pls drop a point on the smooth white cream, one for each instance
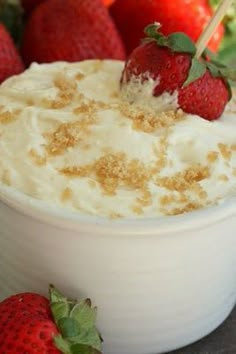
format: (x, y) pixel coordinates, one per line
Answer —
(70, 137)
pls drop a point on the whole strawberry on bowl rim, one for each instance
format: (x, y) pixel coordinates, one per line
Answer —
(170, 61)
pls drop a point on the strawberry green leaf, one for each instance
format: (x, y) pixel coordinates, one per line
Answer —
(60, 310)
(83, 349)
(55, 295)
(90, 337)
(197, 70)
(215, 71)
(62, 344)
(152, 30)
(76, 323)
(84, 314)
(180, 43)
(69, 327)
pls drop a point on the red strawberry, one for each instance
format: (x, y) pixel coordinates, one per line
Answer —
(10, 61)
(171, 62)
(30, 323)
(188, 16)
(30, 5)
(24, 304)
(72, 31)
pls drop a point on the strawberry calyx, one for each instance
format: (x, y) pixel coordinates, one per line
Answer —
(181, 43)
(75, 321)
(178, 42)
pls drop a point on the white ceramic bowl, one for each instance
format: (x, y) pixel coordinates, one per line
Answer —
(159, 284)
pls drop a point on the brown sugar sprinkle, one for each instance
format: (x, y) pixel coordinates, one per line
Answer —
(223, 178)
(83, 108)
(160, 152)
(150, 121)
(185, 180)
(212, 156)
(66, 194)
(173, 198)
(145, 199)
(114, 170)
(137, 209)
(76, 171)
(191, 206)
(225, 151)
(66, 91)
(70, 134)
(7, 117)
(79, 76)
(90, 107)
(38, 160)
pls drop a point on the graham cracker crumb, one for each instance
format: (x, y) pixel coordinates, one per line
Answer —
(66, 194)
(225, 151)
(233, 147)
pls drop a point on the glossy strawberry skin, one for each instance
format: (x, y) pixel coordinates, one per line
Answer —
(206, 97)
(23, 305)
(30, 5)
(71, 31)
(189, 16)
(10, 61)
(159, 63)
(29, 334)
(26, 325)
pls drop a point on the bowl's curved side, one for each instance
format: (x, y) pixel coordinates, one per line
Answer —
(154, 292)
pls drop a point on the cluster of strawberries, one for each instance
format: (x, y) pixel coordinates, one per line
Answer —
(76, 30)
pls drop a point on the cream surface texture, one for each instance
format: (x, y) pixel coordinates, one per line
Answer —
(71, 137)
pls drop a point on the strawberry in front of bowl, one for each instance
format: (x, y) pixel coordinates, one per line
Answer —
(30, 323)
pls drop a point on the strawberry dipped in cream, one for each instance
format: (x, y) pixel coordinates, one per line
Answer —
(151, 137)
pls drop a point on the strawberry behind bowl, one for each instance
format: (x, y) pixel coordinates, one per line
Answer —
(71, 31)
(10, 61)
(188, 16)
